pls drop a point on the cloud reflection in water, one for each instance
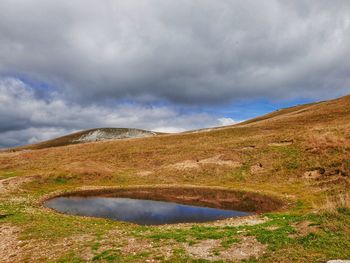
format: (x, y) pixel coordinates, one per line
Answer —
(144, 212)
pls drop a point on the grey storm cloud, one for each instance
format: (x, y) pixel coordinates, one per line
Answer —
(26, 118)
(185, 52)
(67, 65)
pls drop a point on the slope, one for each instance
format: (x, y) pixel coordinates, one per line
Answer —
(299, 155)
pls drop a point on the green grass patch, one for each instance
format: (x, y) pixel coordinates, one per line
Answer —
(8, 174)
(194, 233)
(61, 179)
(239, 173)
(110, 255)
(115, 255)
(289, 156)
(70, 257)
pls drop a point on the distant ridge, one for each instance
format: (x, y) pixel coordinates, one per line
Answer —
(299, 115)
(91, 135)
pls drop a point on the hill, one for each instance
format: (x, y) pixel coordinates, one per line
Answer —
(299, 155)
(92, 135)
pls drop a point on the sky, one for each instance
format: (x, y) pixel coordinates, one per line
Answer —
(164, 65)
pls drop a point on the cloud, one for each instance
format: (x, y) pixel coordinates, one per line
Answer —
(154, 64)
(226, 121)
(185, 52)
(28, 118)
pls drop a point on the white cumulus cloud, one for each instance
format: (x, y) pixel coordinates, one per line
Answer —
(26, 117)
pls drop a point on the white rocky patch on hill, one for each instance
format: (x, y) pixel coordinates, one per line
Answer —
(102, 135)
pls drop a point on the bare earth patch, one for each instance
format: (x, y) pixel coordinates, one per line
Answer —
(247, 148)
(338, 261)
(144, 173)
(13, 183)
(203, 250)
(240, 221)
(256, 168)
(135, 246)
(312, 174)
(127, 245)
(12, 249)
(283, 143)
(248, 247)
(218, 160)
(188, 164)
(304, 228)
(9, 244)
(215, 160)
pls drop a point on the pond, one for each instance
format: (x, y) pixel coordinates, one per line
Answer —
(139, 211)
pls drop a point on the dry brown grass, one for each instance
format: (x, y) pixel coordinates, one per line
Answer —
(317, 136)
(333, 203)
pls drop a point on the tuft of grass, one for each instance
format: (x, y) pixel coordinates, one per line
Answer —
(338, 203)
(110, 255)
(299, 206)
(70, 257)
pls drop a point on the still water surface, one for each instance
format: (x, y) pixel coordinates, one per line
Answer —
(143, 212)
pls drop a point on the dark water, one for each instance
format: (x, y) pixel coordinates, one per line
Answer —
(143, 212)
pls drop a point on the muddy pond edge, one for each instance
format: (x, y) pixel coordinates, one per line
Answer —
(280, 203)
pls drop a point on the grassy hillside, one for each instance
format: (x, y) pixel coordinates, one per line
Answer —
(299, 155)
